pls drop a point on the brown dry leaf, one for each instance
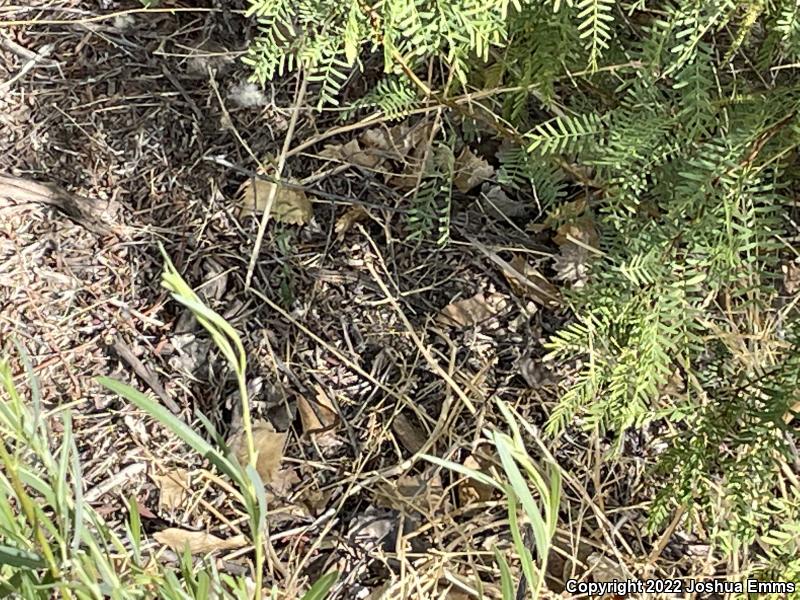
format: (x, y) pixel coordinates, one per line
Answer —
(471, 490)
(471, 311)
(268, 445)
(470, 171)
(408, 432)
(198, 542)
(575, 239)
(283, 482)
(353, 153)
(316, 415)
(410, 143)
(355, 214)
(290, 206)
(525, 280)
(172, 486)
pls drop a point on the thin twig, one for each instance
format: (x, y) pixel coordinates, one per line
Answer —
(93, 18)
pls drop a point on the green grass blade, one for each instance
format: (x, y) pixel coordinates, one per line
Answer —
(523, 492)
(466, 471)
(320, 589)
(174, 424)
(21, 559)
(506, 581)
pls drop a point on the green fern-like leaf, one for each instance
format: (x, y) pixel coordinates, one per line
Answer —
(595, 21)
(564, 135)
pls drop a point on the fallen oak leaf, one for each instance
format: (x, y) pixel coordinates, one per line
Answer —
(198, 542)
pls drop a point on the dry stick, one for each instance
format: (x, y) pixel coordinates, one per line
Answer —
(273, 190)
(662, 542)
(93, 18)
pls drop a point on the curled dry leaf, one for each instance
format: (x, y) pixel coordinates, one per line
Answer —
(290, 206)
(470, 171)
(471, 311)
(198, 542)
(526, 281)
(172, 486)
(268, 445)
